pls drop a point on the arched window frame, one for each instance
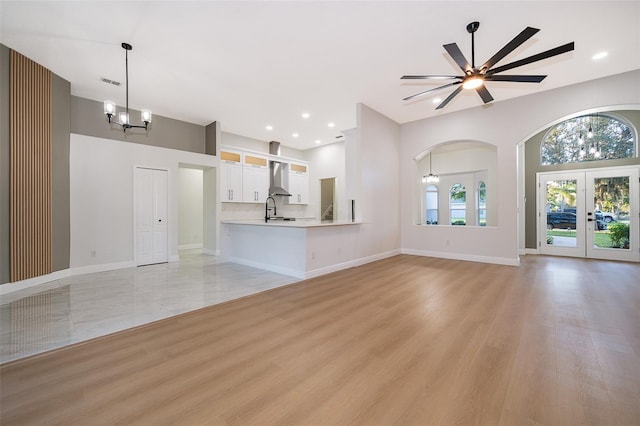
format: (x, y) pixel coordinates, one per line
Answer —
(577, 147)
(458, 205)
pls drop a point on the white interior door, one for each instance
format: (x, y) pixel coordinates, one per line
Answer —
(590, 213)
(151, 194)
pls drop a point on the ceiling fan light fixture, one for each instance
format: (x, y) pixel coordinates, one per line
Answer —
(473, 82)
(474, 76)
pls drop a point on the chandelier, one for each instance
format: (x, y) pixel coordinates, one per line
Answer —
(430, 178)
(589, 149)
(123, 116)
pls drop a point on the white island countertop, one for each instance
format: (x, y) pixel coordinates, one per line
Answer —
(298, 223)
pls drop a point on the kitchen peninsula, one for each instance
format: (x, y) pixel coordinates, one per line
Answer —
(299, 248)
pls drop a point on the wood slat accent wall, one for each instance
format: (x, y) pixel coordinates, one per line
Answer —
(30, 190)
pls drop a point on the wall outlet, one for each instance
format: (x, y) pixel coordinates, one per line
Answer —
(92, 253)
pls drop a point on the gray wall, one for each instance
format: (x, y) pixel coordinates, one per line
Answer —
(212, 132)
(533, 166)
(61, 123)
(87, 118)
(5, 176)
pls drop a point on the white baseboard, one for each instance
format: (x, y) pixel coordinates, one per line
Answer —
(268, 267)
(43, 279)
(190, 246)
(7, 288)
(467, 257)
(351, 263)
(211, 252)
(316, 272)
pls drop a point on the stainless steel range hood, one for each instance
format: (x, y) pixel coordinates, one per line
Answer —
(276, 186)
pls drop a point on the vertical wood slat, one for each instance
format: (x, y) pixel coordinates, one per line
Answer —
(31, 252)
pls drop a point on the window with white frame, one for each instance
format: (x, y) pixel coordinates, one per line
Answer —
(481, 204)
(431, 205)
(458, 204)
(588, 138)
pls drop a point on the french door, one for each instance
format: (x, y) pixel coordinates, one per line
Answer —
(591, 213)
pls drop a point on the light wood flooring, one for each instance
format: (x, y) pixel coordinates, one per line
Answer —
(407, 340)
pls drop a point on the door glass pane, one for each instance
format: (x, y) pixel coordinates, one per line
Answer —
(561, 213)
(611, 212)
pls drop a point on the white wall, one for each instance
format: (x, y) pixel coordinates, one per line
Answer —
(190, 204)
(504, 124)
(101, 192)
(378, 187)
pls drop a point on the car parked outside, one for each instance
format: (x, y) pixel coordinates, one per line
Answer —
(561, 220)
(606, 216)
(566, 220)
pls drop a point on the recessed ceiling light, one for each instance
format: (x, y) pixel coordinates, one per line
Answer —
(318, 141)
(269, 127)
(436, 100)
(295, 135)
(331, 124)
(599, 55)
(305, 115)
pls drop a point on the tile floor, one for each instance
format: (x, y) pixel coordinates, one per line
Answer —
(83, 307)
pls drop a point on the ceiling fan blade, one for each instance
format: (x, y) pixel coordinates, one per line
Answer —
(540, 56)
(525, 35)
(430, 77)
(432, 90)
(451, 96)
(484, 94)
(516, 78)
(454, 51)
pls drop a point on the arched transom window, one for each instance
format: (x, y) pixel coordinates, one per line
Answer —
(588, 138)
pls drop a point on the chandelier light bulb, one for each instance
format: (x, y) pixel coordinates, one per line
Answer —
(590, 133)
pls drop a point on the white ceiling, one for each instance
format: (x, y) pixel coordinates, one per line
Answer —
(252, 64)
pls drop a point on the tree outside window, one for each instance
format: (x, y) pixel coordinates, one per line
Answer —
(481, 201)
(458, 204)
(587, 138)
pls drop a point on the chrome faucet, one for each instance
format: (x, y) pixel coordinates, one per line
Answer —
(266, 209)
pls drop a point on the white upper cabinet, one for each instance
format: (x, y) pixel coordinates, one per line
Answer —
(298, 183)
(255, 178)
(230, 176)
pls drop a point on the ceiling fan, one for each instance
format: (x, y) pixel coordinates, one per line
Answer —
(474, 78)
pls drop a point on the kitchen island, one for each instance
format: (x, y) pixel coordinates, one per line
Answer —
(299, 248)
